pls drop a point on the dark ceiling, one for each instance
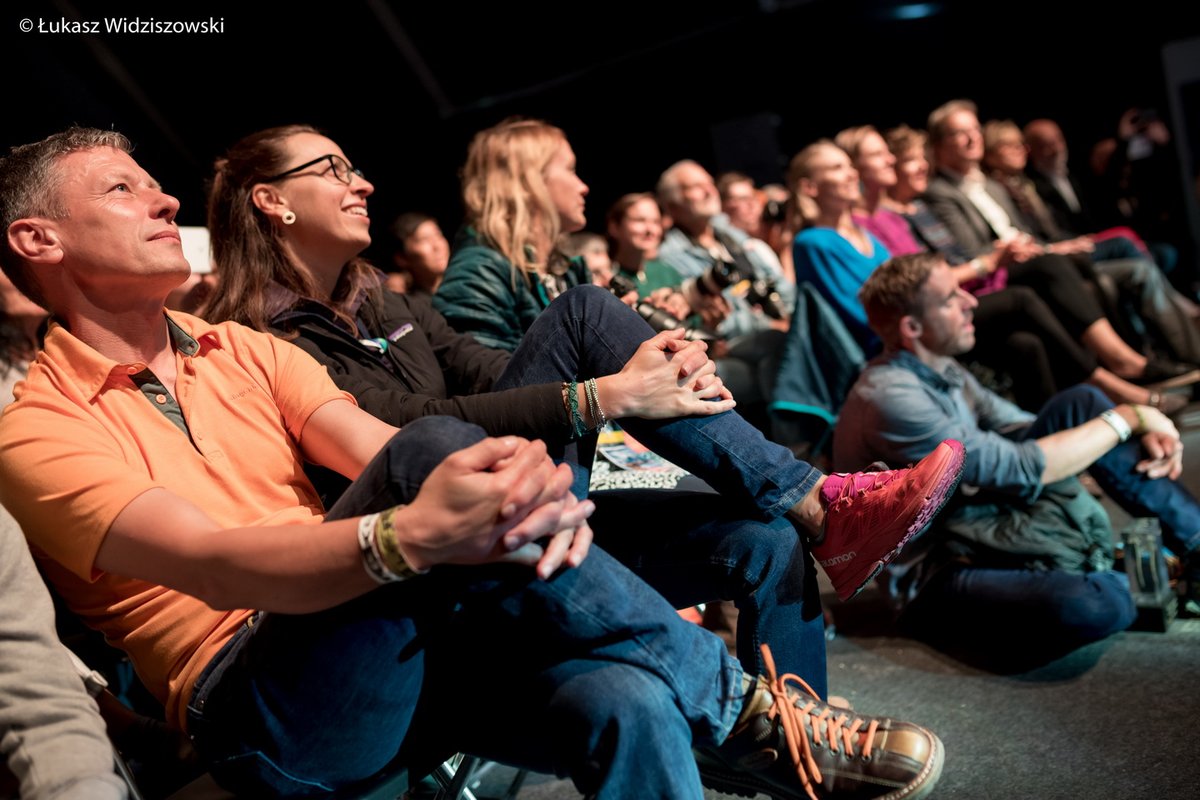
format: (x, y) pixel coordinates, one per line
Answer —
(636, 85)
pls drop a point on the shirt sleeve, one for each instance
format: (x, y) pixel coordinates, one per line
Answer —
(535, 412)
(65, 479)
(910, 422)
(50, 734)
(299, 384)
(477, 297)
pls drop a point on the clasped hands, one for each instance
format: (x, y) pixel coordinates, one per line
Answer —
(666, 377)
(499, 500)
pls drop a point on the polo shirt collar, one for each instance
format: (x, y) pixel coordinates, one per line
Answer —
(91, 371)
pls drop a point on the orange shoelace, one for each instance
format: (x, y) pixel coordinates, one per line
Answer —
(795, 719)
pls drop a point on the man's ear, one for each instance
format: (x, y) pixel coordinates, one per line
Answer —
(268, 200)
(807, 187)
(36, 240)
(911, 327)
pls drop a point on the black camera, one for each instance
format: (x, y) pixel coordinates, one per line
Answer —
(621, 285)
(714, 280)
(762, 293)
(723, 274)
(774, 211)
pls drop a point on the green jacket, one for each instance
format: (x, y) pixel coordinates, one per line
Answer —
(483, 295)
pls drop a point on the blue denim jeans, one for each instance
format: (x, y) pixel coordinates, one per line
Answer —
(587, 333)
(590, 674)
(1041, 612)
(690, 546)
(1054, 609)
(1168, 500)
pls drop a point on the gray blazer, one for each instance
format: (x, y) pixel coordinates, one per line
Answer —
(966, 224)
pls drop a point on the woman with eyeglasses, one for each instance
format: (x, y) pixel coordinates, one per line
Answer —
(287, 214)
(288, 220)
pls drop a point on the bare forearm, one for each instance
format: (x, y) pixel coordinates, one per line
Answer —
(1071, 451)
(295, 569)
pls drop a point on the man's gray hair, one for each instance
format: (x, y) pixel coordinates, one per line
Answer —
(29, 187)
(667, 187)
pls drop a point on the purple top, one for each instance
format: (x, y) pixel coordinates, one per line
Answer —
(892, 230)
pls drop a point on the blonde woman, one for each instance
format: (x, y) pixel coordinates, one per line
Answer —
(521, 192)
(833, 252)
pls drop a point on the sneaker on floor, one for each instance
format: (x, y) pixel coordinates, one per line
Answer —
(870, 516)
(799, 748)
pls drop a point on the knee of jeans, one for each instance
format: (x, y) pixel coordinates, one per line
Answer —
(1101, 608)
(588, 294)
(1090, 400)
(437, 434)
(769, 554)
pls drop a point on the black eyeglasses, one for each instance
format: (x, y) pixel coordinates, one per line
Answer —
(338, 166)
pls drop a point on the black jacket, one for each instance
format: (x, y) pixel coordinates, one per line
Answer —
(426, 369)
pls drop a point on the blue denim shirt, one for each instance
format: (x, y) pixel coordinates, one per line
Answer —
(900, 409)
(691, 259)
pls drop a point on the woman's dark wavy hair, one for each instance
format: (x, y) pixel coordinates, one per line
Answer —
(247, 246)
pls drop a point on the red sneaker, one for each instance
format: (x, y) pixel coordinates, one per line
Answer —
(870, 516)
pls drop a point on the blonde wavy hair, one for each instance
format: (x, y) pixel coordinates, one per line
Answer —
(504, 189)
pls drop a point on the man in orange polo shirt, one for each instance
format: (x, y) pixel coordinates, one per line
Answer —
(156, 463)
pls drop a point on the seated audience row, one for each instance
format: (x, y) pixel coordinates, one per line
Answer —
(258, 616)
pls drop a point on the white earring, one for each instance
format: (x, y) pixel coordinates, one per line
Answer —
(288, 217)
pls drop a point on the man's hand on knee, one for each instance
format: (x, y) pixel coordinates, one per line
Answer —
(1164, 456)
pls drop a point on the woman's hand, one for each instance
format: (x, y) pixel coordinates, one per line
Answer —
(667, 377)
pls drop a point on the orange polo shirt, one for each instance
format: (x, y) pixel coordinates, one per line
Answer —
(82, 441)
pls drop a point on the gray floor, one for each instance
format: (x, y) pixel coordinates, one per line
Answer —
(1114, 719)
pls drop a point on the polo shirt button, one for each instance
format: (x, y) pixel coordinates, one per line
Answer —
(161, 399)
(132, 370)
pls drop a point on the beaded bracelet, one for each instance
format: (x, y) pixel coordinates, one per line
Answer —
(380, 548)
(593, 401)
(1137, 412)
(578, 427)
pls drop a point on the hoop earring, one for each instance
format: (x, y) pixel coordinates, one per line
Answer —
(288, 217)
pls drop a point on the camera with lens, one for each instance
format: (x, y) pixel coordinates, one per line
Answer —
(723, 274)
(655, 317)
(762, 293)
(710, 283)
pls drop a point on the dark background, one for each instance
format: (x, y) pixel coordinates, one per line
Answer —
(402, 86)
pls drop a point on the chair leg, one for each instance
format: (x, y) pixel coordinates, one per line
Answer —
(453, 777)
(126, 775)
